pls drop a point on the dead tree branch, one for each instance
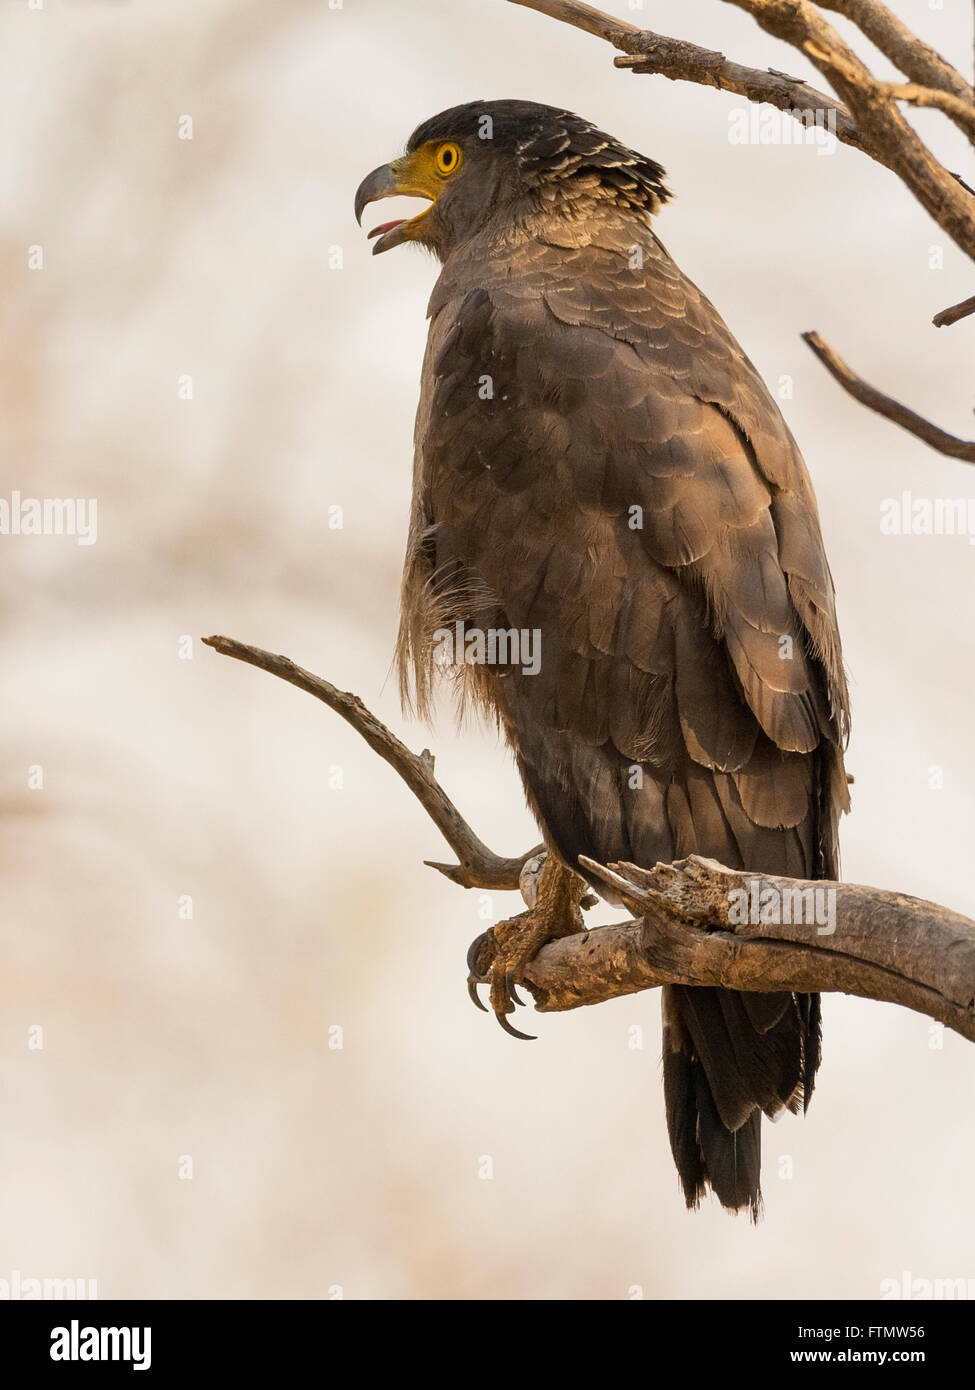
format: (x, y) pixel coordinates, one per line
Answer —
(478, 867)
(875, 400)
(954, 313)
(916, 60)
(872, 943)
(886, 946)
(961, 112)
(647, 52)
(863, 113)
(888, 138)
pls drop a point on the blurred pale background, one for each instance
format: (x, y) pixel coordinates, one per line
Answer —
(316, 1167)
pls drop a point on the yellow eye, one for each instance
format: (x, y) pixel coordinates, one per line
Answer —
(448, 159)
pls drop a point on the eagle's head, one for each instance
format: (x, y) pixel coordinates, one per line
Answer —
(498, 164)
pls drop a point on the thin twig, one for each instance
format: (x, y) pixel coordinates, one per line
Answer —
(954, 313)
(647, 52)
(478, 866)
(961, 112)
(887, 137)
(618, 32)
(867, 116)
(916, 60)
(886, 405)
(685, 62)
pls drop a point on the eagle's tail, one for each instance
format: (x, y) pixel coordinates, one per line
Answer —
(727, 1058)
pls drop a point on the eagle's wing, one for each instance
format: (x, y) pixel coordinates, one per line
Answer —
(618, 479)
(598, 462)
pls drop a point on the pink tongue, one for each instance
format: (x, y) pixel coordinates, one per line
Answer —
(385, 227)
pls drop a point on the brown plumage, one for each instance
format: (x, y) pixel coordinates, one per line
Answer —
(597, 460)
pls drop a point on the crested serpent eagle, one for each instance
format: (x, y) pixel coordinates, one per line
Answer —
(600, 466)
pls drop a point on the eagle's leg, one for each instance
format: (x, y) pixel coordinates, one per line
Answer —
(502, 952)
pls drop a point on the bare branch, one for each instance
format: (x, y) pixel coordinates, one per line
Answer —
(886, 946)
(618, 32)
(916, 60)
(954, 313)
(866, 116)
(685, 62)
(886, 405)
(679, 61)
(886, 134)
(479, 867)
(961, 112)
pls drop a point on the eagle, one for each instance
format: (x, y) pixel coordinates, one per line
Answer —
(601, 472)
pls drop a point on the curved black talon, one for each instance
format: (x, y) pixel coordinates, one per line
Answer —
(473, 951)
(473, 978)
(472, 983)
(525, 1037)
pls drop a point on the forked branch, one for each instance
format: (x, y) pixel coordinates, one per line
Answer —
(478, 866)
(862, 111)
(697, 923)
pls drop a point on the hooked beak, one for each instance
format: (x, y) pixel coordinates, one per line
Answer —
(401, 178)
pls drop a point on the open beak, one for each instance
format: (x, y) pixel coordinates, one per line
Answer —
(401, 178)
